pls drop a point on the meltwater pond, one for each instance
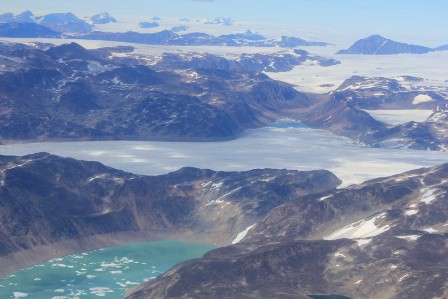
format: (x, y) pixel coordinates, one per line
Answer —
(100, 273)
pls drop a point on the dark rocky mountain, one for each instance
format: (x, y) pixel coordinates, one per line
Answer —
(21, 30)
(69, 93)
(385, 238)
(384, 93)
(378, 93)
(103, 18)
(331, 112)
(378, 45)
(51, 206)
(148, 24)
(431, 134)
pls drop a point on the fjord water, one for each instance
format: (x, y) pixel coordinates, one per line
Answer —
(100, 273)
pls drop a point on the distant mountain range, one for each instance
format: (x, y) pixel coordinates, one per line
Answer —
(274, 62)
(169, 37)
(68, 25)
(378, 45)
(59, 22)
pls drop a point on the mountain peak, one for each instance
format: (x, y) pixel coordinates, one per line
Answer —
(70, 51)
(103, 18)
(379, 45)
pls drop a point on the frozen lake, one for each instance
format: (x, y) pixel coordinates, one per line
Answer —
(272, 147)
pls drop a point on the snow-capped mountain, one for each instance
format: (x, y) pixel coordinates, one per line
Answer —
(220, 21)
(102, 18)
(58, 22)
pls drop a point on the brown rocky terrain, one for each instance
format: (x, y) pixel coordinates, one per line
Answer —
(51, 206)
(69, 93)
(385, 238)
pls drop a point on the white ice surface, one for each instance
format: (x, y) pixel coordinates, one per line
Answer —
(242, 234)
(430, 195)
(409, 238)
(290, 148)
(305, 78)
(359, 229)
(398, 117)
(410, 212)
(363, 241)
(422, 98)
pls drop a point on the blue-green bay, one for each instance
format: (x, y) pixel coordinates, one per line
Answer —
(102, 273)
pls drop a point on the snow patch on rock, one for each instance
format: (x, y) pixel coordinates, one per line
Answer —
(422, 98)
(242, 234)
(360, 229)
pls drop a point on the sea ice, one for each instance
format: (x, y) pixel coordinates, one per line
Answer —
(290, 148)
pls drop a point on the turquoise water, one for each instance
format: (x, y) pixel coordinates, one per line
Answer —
(103, 273)
(288, 123)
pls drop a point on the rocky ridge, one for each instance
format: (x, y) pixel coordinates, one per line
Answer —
(69, 93)
(52, 206)
(385, 238)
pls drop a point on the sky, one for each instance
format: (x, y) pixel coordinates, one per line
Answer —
(411, 20)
